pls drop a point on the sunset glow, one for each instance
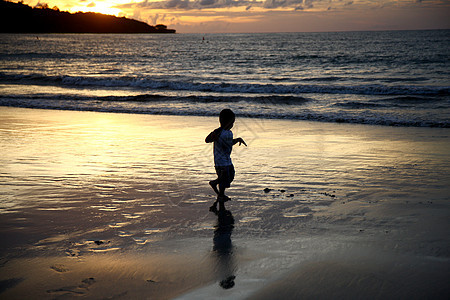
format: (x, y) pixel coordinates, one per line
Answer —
(99, 7)
(209, 16)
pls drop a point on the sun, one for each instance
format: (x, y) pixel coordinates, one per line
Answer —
(98, 7)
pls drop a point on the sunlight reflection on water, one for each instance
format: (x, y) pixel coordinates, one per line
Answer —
(138, 176)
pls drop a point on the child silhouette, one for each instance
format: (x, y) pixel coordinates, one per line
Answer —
(222, 138)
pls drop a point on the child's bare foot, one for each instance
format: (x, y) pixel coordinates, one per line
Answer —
(213, 184)
(223, 198)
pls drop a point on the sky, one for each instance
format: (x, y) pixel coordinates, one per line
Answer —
(249, 16)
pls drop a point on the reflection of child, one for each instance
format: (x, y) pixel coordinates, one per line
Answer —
(223, 144)
(223, 248)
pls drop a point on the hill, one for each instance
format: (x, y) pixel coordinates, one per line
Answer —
(21, 18)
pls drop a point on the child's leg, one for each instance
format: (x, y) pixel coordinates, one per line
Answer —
(221, 190)
(221, 197)
(213, 184)
(223, 182)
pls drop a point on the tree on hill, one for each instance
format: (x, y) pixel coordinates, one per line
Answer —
(21, 18)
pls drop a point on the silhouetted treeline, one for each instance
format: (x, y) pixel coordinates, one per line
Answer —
(21, 18)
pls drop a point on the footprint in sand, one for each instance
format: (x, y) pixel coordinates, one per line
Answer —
(59, 268)
(81, 289)
(86, 283)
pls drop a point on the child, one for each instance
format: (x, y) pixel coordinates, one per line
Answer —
(223, 143)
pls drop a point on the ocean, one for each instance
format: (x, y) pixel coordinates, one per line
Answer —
(343, 191)
(390, 78)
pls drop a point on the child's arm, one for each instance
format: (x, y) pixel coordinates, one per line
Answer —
(240, 141)
(213, 136)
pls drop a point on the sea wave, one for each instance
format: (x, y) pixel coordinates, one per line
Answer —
(147, 83)
(151, 98)
(409, 100)
(250, 108)
(359, 105)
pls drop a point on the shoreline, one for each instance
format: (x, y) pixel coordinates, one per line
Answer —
(318, 118)
(124, 199)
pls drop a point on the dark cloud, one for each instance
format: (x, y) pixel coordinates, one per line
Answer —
(181, 4)
(207, 2)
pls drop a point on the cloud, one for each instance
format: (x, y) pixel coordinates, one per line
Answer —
(169, 4)
(253, 15)
(285, 3)
(189, 5)
(92, 4)
(209, 4)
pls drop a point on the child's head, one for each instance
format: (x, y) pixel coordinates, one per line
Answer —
(226, 118)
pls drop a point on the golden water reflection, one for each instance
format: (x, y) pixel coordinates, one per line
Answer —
(122, 174)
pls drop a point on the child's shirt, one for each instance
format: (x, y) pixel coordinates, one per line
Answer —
(222, 149)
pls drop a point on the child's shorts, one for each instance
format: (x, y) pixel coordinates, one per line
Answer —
(225, 175)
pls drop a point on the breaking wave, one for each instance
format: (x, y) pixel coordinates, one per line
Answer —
(265, 107)
(145, 83)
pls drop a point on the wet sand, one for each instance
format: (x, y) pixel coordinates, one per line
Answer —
(115, 206)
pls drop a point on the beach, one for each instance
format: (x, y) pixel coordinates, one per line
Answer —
(116, 206)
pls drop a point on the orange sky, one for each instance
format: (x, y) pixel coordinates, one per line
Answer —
(209, 16)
